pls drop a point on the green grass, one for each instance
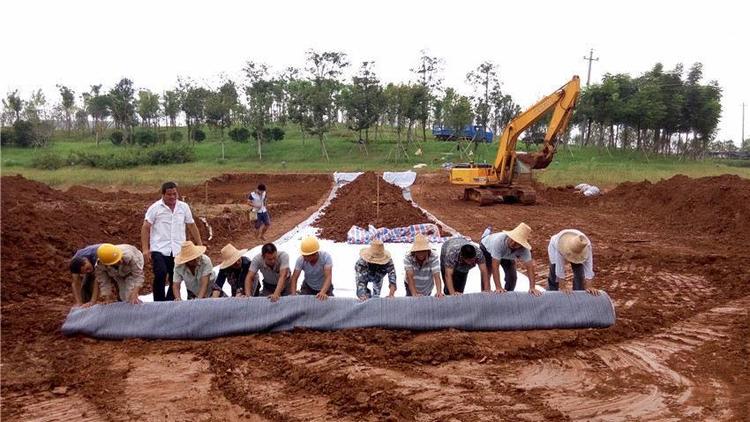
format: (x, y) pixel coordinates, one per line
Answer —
(294, 154)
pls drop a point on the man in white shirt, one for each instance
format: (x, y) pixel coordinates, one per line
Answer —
(574, 247)
(162, 234)
(258, 201)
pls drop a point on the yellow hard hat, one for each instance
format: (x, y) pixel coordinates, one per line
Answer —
(109, 254)
(309, 245)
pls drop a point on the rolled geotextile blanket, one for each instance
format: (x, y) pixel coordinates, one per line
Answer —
(208, 318)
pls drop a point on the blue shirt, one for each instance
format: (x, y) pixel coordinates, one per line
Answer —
(314, 275)
(89, 252)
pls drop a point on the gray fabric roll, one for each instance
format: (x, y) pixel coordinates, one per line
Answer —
(208, 318)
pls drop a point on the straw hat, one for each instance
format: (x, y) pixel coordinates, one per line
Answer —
(188, 252)
(521, 235)
(574, 247)
(230, 255)
(375, 253)
(420, 243)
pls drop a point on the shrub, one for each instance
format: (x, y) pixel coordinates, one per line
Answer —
(145, 137)
(175, 136)
(277, 133)
(23, 133)
(7, 136)
(162, 138)
(48, 160)
(116, 137)
(157, 155)
(239, 134)
(199, 135)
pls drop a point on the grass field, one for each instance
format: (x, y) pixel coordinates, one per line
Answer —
(572, 165)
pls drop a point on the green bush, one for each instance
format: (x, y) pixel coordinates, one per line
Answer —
(277, 133)
(117, 137)
(7, 136)
(199, 135)
(145, 137)
(162, 137)
(157, 155)
(239, 134)
(23, 133)
(175, 136)
(48, 161)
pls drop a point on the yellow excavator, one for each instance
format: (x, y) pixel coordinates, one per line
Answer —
(509, 178)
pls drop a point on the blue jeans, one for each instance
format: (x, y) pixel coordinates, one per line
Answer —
(163, 266)
(578, 277)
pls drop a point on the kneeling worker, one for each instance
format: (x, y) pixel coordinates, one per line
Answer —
(503, 249)
(121, 265)
(233, 269)
(458, 255)
(274, 266)
(318, 268)
(193, 267)
(571, 246)
(82, 267)
(373, 264)
(422, 269)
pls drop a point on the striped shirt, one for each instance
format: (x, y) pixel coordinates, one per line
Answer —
(423, 273)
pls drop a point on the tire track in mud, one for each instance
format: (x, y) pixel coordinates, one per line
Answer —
(639, 373)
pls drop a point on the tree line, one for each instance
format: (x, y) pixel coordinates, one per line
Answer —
(667, 112)
(659, 111)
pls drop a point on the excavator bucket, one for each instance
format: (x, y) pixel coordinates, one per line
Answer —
(536, 160)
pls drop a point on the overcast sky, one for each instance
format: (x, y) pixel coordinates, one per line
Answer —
(538, 45)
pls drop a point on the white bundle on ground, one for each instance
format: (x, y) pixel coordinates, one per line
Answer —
(588, 190)
(209, 318)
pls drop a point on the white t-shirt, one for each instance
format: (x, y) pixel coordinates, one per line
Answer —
(259, 201)
(555, 257)
(168, 227)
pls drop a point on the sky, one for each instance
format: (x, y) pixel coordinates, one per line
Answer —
(537, 45)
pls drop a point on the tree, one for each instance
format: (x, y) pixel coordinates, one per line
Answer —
(99, 106)
(193, 103)
(363, 101)
(260, 92)
(427, 71)
(14, 104)
(457, 111)
(218, 109)
(82, 120)
(171, 106)
(482, 79)
(122, 106)
(324, 70)
(68, 104)
(148, 107)
(35, 108)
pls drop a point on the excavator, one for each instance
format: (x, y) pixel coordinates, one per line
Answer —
(509, 178)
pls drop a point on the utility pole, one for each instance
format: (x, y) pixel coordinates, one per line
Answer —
(742, 140)
(590, 58)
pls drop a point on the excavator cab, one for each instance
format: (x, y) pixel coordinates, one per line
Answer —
(509, 178)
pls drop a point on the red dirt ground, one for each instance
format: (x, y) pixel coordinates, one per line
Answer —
(368, 200)
(672, 255)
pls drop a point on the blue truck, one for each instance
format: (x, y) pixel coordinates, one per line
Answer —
(470, 132)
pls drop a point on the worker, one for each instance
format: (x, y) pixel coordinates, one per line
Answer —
(120, 265)
(193, 267)
(318, 268)
(258, 200)
(457, 256)
(274, 266)
(502, 249)
(233, 269)
(162, 234)
(574, 247)
(422, 269)
(83, 280)
(373, 264)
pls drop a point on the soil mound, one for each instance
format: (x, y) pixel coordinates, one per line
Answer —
(43, 227)
(356, 204)
(718, 205)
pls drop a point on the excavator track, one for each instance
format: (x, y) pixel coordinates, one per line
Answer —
(493, 195)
